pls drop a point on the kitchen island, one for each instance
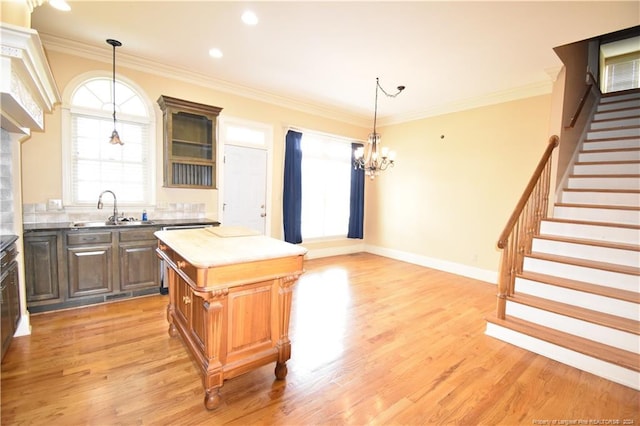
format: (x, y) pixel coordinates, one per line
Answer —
(230, 295)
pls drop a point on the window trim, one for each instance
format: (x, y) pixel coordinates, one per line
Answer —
(66, 132)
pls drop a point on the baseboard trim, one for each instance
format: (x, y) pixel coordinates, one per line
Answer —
(439, 264)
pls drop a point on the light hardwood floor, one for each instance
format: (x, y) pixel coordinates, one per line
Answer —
(374, 341)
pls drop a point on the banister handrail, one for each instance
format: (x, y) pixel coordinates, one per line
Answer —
(553, 143)
(583, 100)
(517, 237)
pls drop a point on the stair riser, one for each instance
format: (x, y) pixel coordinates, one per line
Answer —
(623, 155)
(628, 217)
(595, 302)
(613, 124)
(612, 144)
(632, 112)
(614, 133)
(597, 333)
(612, 105)
(580, 273)
(607, 169)
(608, 370)
(591, 232)
(587, 252)
(602, 198)
(580, 182)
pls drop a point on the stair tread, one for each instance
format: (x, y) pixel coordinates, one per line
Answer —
(598, 206)
(585, 241)
(584, 346)
(613, 293)
(604, 150)
(606, 266)
(608, 162)
(610, 138)
(577, 312)
(605, 190)
(626, 117)
(591, 223)
(603, 175)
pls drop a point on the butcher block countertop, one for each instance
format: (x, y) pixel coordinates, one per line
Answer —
(225, 245)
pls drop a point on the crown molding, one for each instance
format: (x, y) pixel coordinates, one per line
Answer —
(102, 54)
(528, 91)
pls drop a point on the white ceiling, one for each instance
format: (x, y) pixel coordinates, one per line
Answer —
(327, 55)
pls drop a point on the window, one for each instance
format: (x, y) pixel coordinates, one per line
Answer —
(326, 176)
(622, 73)
(620, 65)
(92, 164)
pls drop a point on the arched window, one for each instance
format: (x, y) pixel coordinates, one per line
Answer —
(92, 163)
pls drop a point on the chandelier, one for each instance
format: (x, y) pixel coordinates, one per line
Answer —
(115, 138)
(375, 158)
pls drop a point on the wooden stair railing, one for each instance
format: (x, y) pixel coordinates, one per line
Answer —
(523, 225)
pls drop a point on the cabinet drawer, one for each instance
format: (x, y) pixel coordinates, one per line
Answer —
(138, 234)
(185, 267)
(89, 238)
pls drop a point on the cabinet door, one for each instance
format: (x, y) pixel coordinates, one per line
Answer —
(183, 299)
(14, 296)
(139, 266)
(41, 267)
(6, 331)
(90, 270)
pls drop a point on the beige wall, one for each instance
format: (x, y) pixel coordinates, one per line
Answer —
(42, 157)
(448, 198)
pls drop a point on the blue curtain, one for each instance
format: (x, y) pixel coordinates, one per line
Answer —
(292, 188)
(356, 206)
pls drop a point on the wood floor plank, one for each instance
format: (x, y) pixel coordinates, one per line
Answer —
(374, 341)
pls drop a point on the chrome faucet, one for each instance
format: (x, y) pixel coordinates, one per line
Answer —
(113, 219)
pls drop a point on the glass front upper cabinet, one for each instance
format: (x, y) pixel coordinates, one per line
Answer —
(189, 143)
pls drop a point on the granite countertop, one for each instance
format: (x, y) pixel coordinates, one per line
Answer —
(225, 245)
(27, 227)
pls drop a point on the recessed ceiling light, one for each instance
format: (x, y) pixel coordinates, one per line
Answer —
(215, 53)
(60, 5)
(249, 18)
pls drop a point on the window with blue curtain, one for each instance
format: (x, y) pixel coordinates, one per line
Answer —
(323, 196)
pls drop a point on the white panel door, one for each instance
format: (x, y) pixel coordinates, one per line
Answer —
(245, 188)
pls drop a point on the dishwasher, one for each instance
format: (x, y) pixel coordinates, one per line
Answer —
(164, 286)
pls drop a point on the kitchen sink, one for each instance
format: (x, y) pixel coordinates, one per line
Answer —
(96, 224)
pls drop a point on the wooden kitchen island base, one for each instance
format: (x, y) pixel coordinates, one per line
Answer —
(230, 300)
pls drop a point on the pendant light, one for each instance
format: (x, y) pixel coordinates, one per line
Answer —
(375, 158)
(115, 138)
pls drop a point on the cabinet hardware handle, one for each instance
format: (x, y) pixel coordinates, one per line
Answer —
(181, 264)
(186, 300)
(163, 247)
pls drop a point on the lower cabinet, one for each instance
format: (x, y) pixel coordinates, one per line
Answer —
(139, 266)
(73, 267)
(41, 266)
(9, 297)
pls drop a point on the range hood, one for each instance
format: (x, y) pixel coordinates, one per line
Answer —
(27, 87)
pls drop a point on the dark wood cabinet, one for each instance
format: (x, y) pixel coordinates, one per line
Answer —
(41, 267)
(74, 267)
(190, 143)
(9, 296)
(139, 264)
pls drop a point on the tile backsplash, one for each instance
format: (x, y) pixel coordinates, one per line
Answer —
(39, 213)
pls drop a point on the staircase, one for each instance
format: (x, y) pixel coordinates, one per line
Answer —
(577, 299)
